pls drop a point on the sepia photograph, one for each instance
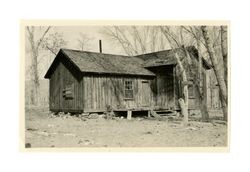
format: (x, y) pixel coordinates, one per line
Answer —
(112, 85)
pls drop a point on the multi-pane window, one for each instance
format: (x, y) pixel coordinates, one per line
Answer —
(128, 89)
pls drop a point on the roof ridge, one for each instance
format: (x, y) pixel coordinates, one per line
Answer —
(168, 50)
(94, 52)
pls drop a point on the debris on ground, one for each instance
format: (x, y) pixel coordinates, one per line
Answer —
(154, 114)
(32, 129)
(109, 113)
(93, 116)
(86, 142)
(191, 128)
(214, 122)
(84, 114)
(42, 131)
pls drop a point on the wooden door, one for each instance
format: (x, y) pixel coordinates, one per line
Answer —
(162, 91)
(145, 93)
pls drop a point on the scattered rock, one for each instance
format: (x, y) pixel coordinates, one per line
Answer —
(148, 132)
(170, 118)
(191, 128)
(61, 114)
(83, 119)
(84, 114)
(101, 116)
(93, 116)
(87, 142)
(80, 141)
(110, 115)
(52, 115)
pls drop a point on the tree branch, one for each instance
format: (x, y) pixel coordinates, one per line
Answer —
(41, 39)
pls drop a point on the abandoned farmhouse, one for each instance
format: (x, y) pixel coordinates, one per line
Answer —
(81, 81)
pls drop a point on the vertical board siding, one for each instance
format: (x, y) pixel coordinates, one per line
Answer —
(101, 91)
(61, 78)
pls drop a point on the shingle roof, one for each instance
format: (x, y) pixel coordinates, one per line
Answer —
(100, 63)
(166, 57)
(159, 58)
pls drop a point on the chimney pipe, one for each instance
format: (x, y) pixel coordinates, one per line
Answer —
(100, 46)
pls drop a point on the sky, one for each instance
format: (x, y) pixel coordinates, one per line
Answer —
(72, 33)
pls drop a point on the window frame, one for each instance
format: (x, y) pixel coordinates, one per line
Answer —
(128, 88)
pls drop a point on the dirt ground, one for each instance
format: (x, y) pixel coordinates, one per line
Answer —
(42, 130)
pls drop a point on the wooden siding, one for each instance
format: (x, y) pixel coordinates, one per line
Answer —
(165, 87)
(93, 92)
(102, 91)
(60, 79)
(213, 94)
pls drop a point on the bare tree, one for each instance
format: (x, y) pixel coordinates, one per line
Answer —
(224, 51)
(174, 44)
(219, 72)
(35, 44)
(195, 32)
(83, 42)
(136, 40)
(53, 42)
(40, 44)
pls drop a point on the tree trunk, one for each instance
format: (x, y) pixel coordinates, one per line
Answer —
(203, 101)
(202, 93)
(183, 102)
(34, 79)
(34, 70)
(184, 111)
(224, 51)
(218, 71)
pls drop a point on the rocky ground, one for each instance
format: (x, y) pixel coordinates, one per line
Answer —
(45, 130)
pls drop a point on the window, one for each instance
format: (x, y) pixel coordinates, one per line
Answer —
(128, 89)
(68, 92)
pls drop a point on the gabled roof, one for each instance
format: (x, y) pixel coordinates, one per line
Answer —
(91, 62)
(100, 63)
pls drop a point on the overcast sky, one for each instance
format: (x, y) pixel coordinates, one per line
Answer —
(71, 34)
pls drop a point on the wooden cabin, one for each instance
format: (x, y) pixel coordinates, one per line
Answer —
(81, 81)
